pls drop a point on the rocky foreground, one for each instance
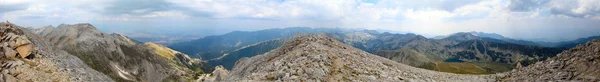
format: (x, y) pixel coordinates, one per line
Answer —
(581, 63)
(26, 57)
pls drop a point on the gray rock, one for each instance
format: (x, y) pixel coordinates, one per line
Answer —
(576, 64)
(9, 53)
(8, 78)
(48, 64)
(120, 56)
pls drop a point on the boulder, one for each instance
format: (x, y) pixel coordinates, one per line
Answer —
(21, 40)
(8, 78)
(24, 50)
(9, 53)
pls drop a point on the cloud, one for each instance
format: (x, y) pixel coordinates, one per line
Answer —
(8, 8)
(579, 8)
(569, 8)
(12, 5)
(136, 7)
(452, 5)
(431, 17)
(526, 5)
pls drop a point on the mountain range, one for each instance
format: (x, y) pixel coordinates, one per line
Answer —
(316, 57)
(483, 52)
(80, 52)
(320, 58)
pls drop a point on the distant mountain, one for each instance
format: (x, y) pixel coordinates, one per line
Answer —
(482, 54)
(488, 36)
(215, 46)
(569, 44)
(500, 38)
(120, 57)
(163, 40)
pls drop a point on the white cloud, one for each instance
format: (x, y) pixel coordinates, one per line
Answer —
(427, 15)
(6, 2)
(176, 14)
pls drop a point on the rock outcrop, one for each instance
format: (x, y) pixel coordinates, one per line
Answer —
(26, 57)
(319, 58)
(218, 75)
(581, 63)
(406, 56)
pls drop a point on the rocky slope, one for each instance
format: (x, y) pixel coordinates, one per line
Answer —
(581, 63)
(118, 56)
(176, 59)
(319, 58)
(27, 57)
(219, 74)
(407, 56)
(569, 44)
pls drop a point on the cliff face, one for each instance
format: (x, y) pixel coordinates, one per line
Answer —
(319, 58)
(27, 57)
(581, 63)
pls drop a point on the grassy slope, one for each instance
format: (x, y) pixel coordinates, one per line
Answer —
(460, 68)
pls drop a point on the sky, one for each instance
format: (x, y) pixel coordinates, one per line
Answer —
(538, 20)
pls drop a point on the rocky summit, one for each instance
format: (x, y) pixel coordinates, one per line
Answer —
(25, 57)
(82, 53)
(118, 56)
(315, 57)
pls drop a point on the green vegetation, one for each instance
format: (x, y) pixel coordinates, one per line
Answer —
(460, 68)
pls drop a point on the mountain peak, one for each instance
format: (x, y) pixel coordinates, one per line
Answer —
(479, 34)
(71, 32)
(79, 26)
(26, 57)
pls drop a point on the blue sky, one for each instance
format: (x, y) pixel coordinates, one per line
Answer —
(551, 20)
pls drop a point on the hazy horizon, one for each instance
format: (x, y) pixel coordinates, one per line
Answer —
(536, 20)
